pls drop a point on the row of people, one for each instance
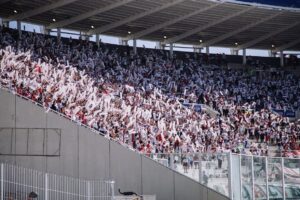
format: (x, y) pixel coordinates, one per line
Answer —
(137, 99)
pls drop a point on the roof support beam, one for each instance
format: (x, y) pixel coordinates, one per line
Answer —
(264, 37)
(171, 22)
(133, 18)
(40, 10)
(230, 34)
(201, 28)
(288, 45)
(87, 14)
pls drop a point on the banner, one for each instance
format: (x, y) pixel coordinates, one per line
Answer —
(287, 113)
(196, 107)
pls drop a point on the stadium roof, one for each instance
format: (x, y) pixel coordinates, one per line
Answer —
(214, 23)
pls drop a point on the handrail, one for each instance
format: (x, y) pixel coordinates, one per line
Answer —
(223, 154)
(41, 172)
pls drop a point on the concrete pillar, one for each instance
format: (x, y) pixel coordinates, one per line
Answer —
(47, 31)
(171, 50)
(134, 46)
(5, 23)
(244, 57)
(19, 28)
(234, 52)
(86, 37)
(272, 53)
(207, 50)
(158, 45)
(197, 49)
(44, 30)
(1, 22)
(98, 40)
(123, 42)
(281, 59)
(58, 34)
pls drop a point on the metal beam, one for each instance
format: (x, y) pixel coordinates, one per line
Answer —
(171, 22)
(133, 18)
(201, 28)
(264, 37)
(88, 14)
(171, 50)
(39, 10)
(281, 59)
(244, 57)
(134, 47)
(288, 45)
(230, 34)
(19, 28)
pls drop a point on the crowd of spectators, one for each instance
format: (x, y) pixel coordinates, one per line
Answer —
(138, 99)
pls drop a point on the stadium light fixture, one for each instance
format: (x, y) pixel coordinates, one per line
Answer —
(165, 37)
(200, 41)
(129, 32)
(92, 27)
(273, 46)
(54, 19)
(15, 11)
(236, 44)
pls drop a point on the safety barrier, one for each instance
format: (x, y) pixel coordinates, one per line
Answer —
(22, 183)
(244, 177)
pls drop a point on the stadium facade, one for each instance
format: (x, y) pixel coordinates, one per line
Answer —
(49, 142)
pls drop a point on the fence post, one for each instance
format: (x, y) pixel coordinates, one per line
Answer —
(229, 157)
(241, 174)
(171, 161)
(200, 168)
(283, 181)
(88, 190)
(2, 181)
(112, 185)
(252, 175)
(267, 175)
(46, 186)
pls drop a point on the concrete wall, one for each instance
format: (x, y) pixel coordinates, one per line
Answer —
(85, 154)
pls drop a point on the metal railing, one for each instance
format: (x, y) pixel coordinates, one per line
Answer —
(239, 177)
(20, 183)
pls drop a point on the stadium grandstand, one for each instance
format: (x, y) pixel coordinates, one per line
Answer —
(82, 118)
